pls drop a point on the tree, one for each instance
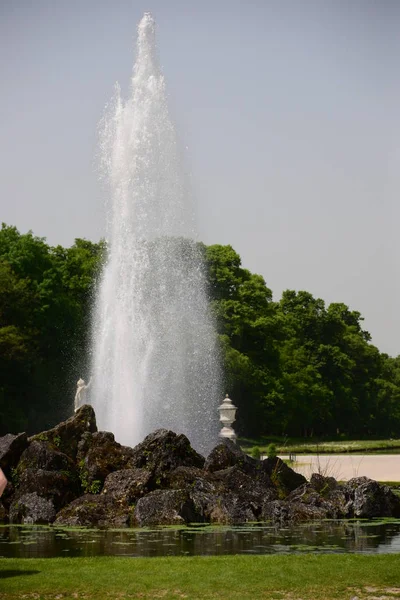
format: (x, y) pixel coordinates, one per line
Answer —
(248, 328)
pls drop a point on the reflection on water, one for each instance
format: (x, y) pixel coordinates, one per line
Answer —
(381, 536)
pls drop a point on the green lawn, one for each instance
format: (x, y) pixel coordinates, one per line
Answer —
(306, 577)
(322, 447)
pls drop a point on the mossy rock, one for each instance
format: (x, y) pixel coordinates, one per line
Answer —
(42, 455)
(59, 486)
(66, 435)
(98, 456)
(95, 511)
(162, 452)
(166, 507)
(32, 509)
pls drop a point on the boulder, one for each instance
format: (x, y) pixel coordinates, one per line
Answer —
(308, 496)
(282, 512)
(323, 485)
(190, 478)
(283, 478)
(369, 499)
(163, 451)
(32, 509)
(166, 507)
(98, 456)
(43, 455)
(242, 490)
(227, 454)
(93, 510)
(66, 435)
(11, 448)
(59, 486)
(228, 496)
(127, 485)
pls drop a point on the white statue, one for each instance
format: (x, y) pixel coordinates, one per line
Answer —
(80, 395)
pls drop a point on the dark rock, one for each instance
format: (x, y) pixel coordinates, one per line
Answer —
(282, 512)
(227, 454)
(67, 434)
(59, 486)
(284, 479)
(163, 451)
(43, 455)
(202, 488)
(308, 496)
(189, 478)
(32, 509)
(244, 491)
(368, 499)
(233, 510)
(166, 507)
(98, 456)
(323, 485)
(93, 510)
(11, 448)
(127, 485)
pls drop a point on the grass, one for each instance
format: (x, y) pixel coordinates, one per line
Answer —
(309, 577)
(301, 446)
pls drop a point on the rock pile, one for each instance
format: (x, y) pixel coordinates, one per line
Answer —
(76, 475)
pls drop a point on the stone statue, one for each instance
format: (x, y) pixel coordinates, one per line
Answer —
(80, 395)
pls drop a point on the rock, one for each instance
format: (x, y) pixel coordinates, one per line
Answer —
(369, 499)
(127, 485)
(66, 436)
(284, 479)
(43, 455)
(32, 509)
(308, 496)
(164, 480)
(244, 491)
(98, 456)
(202, 488)
(282, 512)
(323, 485)
(227, 454)
(59, 486)
(93, 510)
(11, 448)
(163, 451)
(190, 478)
(166, 507)
(236, 510)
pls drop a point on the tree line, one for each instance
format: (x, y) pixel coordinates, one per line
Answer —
(293, 367)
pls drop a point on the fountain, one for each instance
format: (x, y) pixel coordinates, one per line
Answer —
(155, 360)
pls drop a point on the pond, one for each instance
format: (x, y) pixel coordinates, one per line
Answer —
(375, 536)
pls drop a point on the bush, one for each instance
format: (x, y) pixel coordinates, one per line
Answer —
(271, 451)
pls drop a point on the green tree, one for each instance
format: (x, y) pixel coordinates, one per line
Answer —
(248, 327)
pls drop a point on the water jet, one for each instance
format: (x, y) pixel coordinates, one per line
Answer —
(155, 359)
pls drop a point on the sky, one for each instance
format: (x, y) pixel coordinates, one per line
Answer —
(287, 110)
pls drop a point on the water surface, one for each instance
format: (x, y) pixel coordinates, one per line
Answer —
(371, 537)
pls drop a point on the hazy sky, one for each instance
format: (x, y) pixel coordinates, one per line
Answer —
(289, 110)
